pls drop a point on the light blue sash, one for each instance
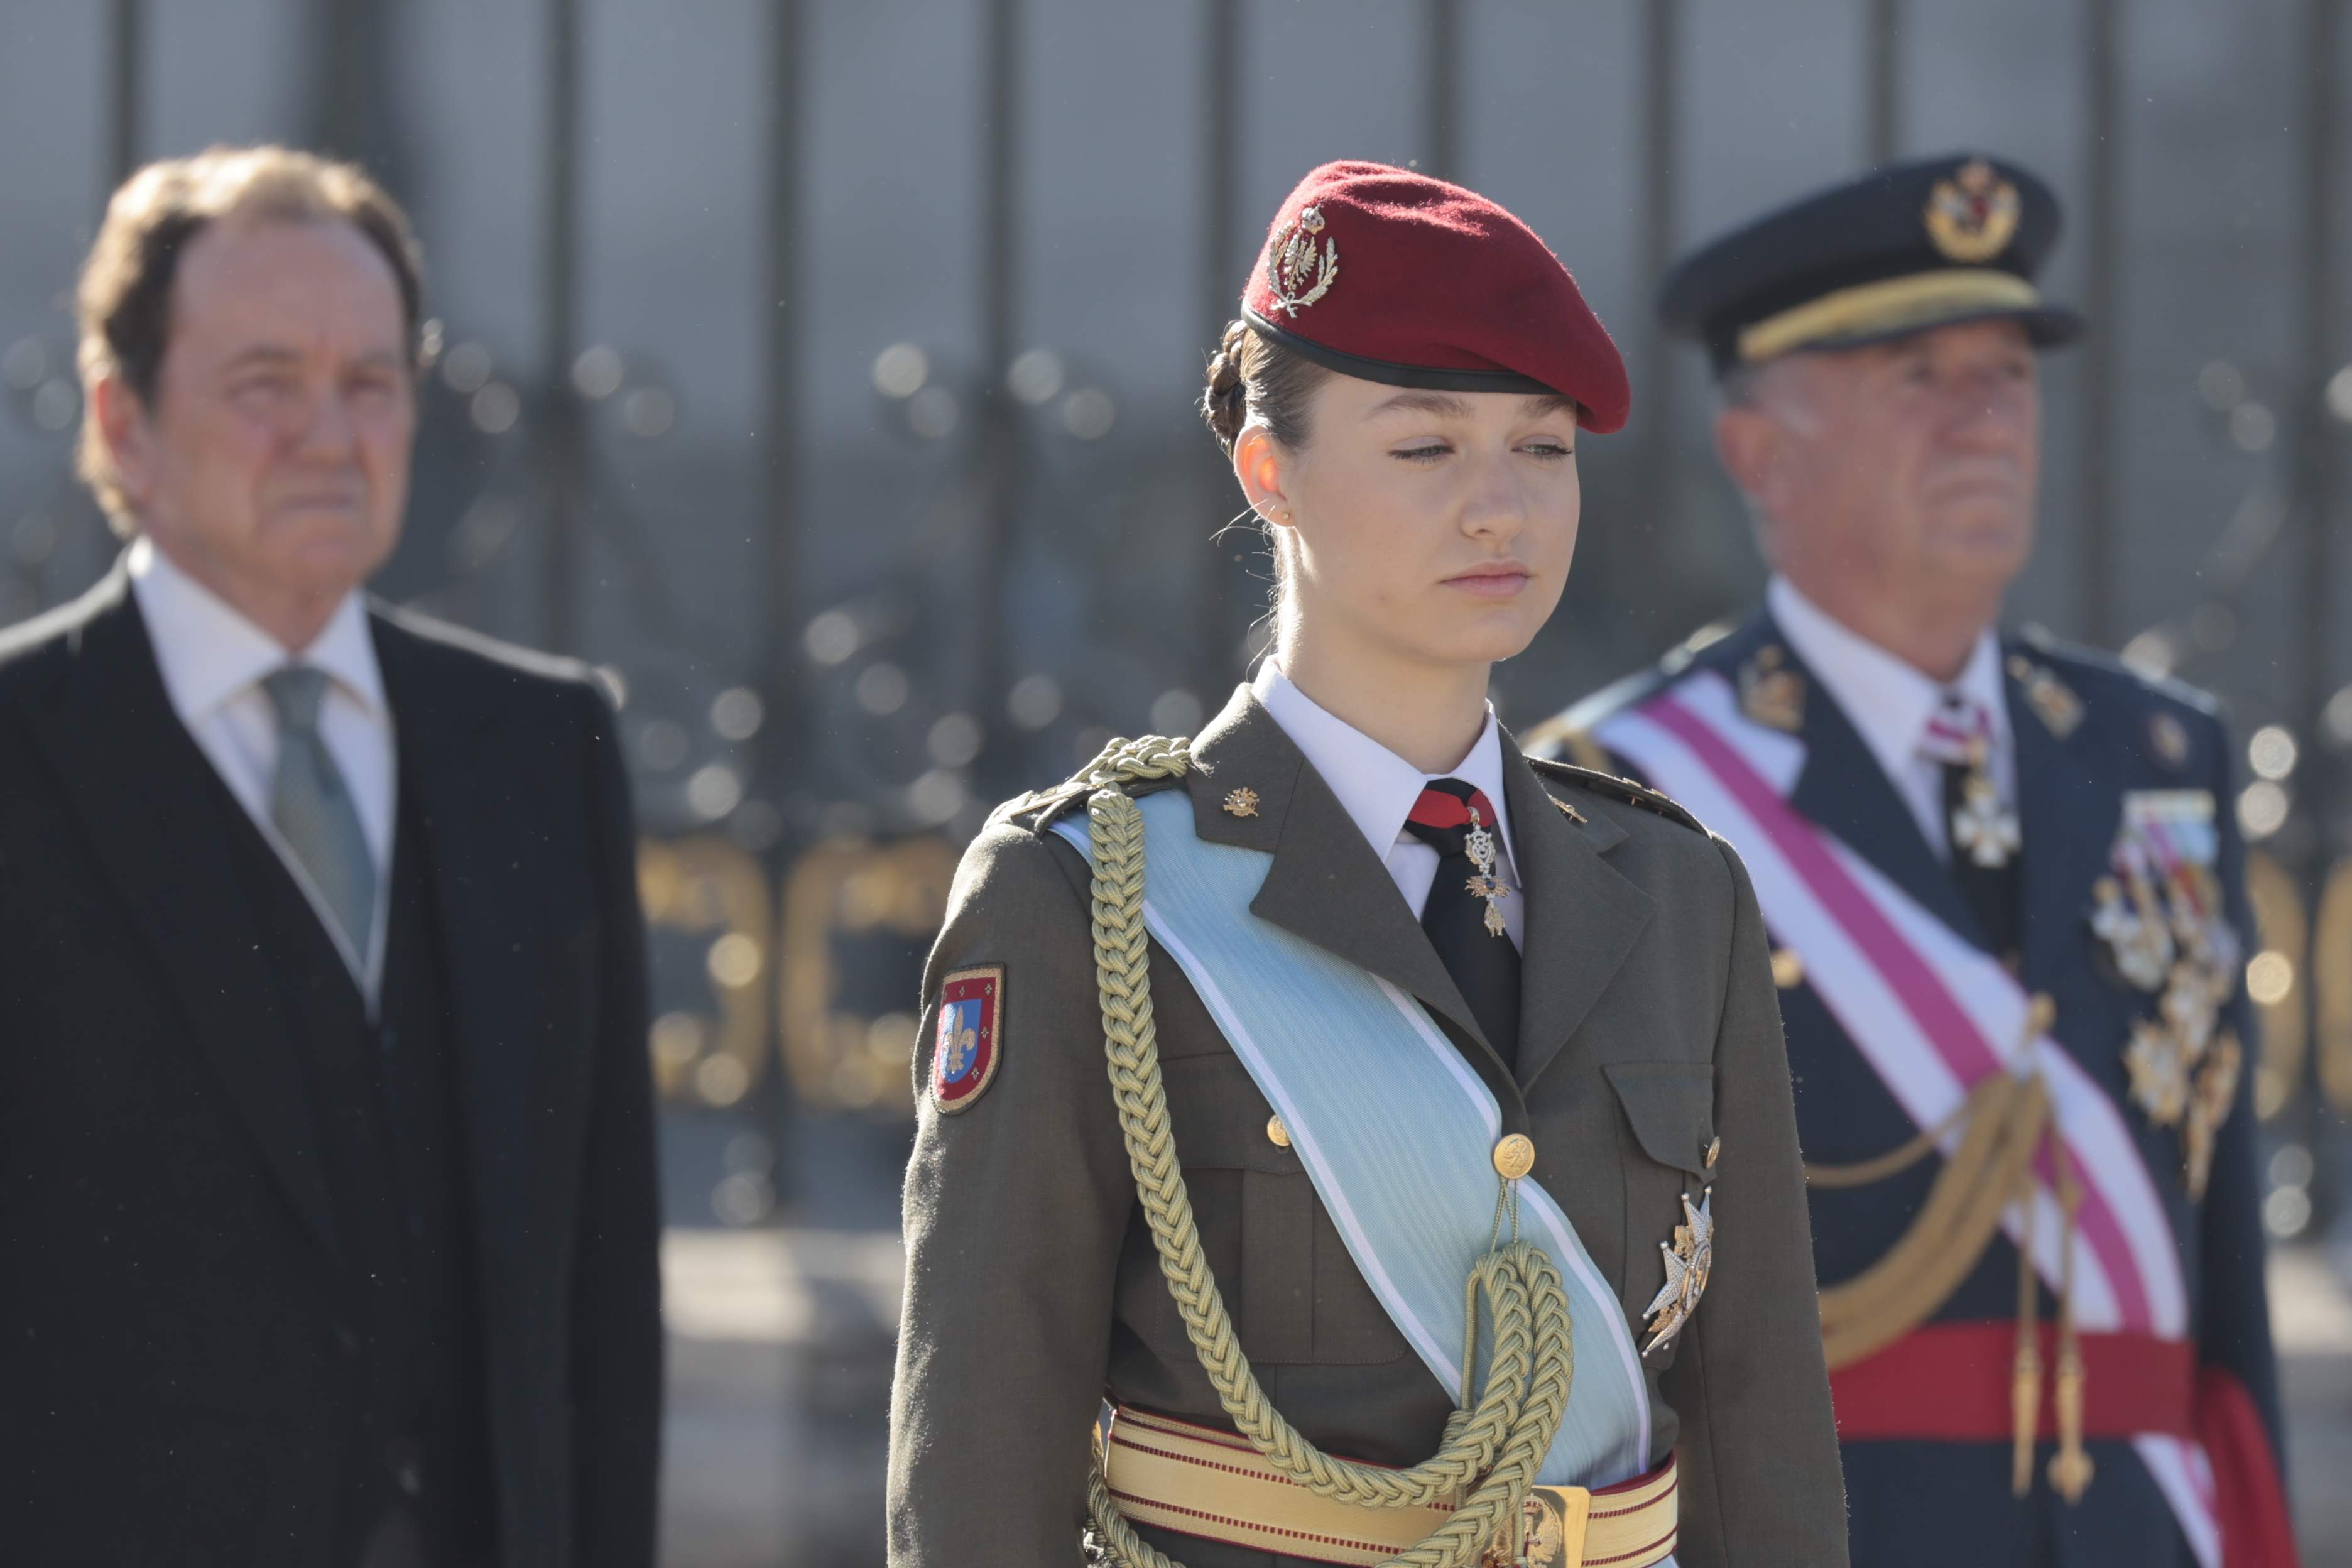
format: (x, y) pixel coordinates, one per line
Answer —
(1396, 1131)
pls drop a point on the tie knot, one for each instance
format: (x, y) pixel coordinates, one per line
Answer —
(1958, 733)
(296, 692)
(1442, 817)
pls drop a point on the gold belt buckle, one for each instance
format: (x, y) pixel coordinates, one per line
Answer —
(1551, 1530)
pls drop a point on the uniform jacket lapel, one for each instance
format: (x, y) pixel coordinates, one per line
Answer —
(1326, 884)
(1583, 918)
(2070, 790)
(142, 788)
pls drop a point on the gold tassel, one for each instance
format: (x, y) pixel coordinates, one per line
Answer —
(2070, 1468)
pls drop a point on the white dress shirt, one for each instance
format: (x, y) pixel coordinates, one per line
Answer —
(213, 660)
(1377, 788)
(1890, 702)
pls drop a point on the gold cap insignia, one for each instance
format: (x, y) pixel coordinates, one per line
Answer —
(1295, 271)
(1973, 215)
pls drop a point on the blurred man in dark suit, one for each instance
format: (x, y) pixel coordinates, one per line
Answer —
(325, 1145)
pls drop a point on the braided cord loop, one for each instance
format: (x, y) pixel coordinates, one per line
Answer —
(1491, 1449)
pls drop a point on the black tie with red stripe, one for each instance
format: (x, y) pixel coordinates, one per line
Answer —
(1484, 963)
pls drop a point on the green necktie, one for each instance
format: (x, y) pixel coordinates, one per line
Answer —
(313, 810)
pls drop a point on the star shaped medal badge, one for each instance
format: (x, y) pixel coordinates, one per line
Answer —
(1688, 1262)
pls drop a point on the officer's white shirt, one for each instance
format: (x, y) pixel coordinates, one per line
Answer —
(1377, 788)
(1890, 702)
(213, 660)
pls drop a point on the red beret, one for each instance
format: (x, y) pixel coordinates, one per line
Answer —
(1397, 278)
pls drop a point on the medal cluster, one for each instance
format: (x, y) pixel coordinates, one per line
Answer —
(1479, 844)
(2161, 916)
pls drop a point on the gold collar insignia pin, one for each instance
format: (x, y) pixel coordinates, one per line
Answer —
(2052, 700)
(1771, 693)
(1242, 802)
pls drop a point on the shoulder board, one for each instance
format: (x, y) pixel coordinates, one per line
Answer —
(2075, 659)
(1616, 788)
(1039, 809)
(1569, 733)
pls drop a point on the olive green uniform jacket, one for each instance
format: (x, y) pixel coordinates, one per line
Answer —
(1648, 1028)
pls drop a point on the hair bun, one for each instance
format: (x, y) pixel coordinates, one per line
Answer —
(1224, 402)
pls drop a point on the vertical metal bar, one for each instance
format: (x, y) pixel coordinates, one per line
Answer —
(340, 113)
(1218, 625)
(1661, 155)
(560, 425)
(1441, 87)
(998, 428)
(126, 121)
(2096, 561)
(780, 308)
(2316, 477)
(781, 607)
(2319, 335)
(1882, 63)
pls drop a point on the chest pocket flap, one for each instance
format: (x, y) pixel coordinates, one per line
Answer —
(1671, 1107)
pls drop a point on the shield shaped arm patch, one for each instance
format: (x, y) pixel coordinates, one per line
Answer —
(968, 1041)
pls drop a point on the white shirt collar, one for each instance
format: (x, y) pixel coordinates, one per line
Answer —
(1888, 702)
(1376, 788)
(208, 653)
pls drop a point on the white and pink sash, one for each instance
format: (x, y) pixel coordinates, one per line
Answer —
(1932, 1013)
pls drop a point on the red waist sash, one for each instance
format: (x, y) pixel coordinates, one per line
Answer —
(1951, 1383)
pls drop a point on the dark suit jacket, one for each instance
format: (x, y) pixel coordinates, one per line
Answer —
(1647, 1028)
(1927, 1504)
(175, 1372)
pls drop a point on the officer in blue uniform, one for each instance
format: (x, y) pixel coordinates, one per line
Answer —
(2005, 896)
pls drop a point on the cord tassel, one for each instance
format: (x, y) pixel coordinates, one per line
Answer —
(2026, 1370)
(2070, 1468)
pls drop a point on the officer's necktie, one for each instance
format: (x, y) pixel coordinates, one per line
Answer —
(1479, 955)
(312, 808)
(1981, 833)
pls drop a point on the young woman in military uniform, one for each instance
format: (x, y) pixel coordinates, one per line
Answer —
(1329, 1125)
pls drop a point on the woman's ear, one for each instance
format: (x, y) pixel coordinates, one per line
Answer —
(1259, 464)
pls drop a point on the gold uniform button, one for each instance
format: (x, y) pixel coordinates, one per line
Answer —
(1515, 1156)
(1276, 1134)
(1787, 968)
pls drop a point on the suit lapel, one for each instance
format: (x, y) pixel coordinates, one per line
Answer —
(2070, 792)
(1845, 789)
(143, 789)
(488, 947)
(1584, 916)
(1326, 884)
